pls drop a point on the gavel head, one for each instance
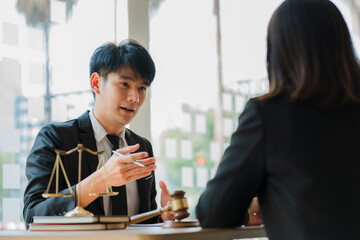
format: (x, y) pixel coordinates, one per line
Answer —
(179, 205)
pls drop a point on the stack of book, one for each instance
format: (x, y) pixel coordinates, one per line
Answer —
(78, 223)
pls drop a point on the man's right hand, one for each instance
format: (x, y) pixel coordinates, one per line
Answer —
(121, 169)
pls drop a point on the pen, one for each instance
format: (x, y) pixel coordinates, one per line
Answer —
(120, 154)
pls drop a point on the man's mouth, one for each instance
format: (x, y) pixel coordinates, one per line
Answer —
(128, 109)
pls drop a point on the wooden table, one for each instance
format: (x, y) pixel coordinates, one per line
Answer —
(139, 233)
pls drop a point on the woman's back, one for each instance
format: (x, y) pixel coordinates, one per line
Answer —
(312, 166)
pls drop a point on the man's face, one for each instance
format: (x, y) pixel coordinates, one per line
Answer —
(119, 98)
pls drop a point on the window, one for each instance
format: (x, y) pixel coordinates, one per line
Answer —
(23, 77)
(190, 128)
(10, 34)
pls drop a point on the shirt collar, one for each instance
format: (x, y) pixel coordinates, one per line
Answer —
(99, 130)
(122, 135)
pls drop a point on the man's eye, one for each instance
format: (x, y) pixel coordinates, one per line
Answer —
(143, 89)
(124, 84)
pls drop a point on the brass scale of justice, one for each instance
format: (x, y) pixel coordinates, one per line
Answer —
(178, 204)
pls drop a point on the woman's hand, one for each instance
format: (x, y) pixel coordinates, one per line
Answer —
(254, 213)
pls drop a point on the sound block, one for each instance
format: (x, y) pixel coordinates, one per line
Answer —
(180, 224)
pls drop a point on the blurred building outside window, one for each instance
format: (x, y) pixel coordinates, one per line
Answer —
(45, 78)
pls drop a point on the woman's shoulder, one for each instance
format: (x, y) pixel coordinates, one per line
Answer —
(277, 101)
(282, 104)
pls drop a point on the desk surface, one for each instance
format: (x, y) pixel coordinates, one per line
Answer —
(139, 233)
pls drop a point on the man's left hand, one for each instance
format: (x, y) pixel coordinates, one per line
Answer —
(165, 200)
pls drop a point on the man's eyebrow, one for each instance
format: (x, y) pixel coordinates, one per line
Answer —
(125, 77)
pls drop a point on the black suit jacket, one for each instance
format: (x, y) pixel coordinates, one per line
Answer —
(303, 163)
(66, 136)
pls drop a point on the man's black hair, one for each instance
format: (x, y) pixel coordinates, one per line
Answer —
(109, 58)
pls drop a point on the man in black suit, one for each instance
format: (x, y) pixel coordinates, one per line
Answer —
(119, 76)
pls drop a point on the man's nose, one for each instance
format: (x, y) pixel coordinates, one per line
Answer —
(133, 96)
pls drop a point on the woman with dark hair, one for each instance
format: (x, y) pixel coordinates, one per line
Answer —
(297, 147)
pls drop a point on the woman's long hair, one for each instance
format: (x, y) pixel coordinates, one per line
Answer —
(310, 55)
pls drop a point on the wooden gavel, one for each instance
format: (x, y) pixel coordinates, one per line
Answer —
(178, 204)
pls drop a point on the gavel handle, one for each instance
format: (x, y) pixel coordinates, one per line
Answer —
(143, 216)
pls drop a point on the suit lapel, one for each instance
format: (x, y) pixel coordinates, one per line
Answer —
(130, 139)
(86, 135)
(141, 183)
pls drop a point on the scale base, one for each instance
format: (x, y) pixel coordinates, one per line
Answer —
(78, 211)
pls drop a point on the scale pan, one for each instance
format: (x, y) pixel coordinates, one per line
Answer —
(104, 194)
(47, 195)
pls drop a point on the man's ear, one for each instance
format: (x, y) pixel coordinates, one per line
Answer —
(95, 82)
